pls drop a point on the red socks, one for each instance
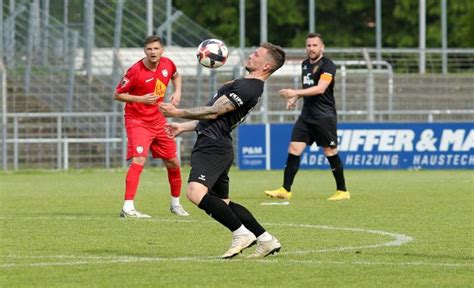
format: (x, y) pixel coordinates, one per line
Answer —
(133, 178)
(131, 182)
(174, 178)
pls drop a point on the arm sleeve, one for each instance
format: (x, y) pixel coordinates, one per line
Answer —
(174, 70)
(235, 98)
(328, 71)
(240, 94)
(126, 82)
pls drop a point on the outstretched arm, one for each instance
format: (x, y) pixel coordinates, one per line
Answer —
(311, 91)
(174, 129)
(220, 107)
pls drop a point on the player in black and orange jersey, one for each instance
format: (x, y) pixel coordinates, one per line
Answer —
(318, 119)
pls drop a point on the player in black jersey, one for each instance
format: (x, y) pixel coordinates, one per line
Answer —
(318, 119)
(213, 153)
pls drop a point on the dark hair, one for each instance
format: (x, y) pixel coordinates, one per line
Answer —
(276, 53)
(315, 35)
(151, 39)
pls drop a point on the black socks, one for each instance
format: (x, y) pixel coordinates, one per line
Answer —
(218, 209)
(291, 168)
(247, 218)
(338, 171)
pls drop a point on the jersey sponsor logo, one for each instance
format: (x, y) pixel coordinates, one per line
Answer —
(164, 72)
(307, 80)
(160, 89)
(139, 149)
(236, 98)
(148, 80)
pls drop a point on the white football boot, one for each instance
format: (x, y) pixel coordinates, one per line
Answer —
(134, 214)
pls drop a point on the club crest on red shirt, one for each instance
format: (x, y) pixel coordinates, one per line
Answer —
(124, 81)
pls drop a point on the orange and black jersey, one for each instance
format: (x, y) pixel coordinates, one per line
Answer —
(323, 105)
(244, 94)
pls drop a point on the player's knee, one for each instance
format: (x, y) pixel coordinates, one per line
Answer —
(172, 163)
(296, 148)
(139, 160)
(330, 151)
(195, 193)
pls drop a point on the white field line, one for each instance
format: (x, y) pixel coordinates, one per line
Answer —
(398, 240)
(274, 203)
(94, 260)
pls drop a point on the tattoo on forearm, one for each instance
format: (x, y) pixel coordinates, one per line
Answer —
(200, 113)
(221, 106)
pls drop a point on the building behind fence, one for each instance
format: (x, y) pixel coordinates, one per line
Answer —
(57, 81)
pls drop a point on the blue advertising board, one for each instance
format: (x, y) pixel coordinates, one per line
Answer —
(368, 146)
(252, 150)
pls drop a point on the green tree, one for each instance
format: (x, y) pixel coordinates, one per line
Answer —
(344, 23)
(400, 23)
(219, 17)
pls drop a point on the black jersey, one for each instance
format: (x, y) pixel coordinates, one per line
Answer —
(324, 104)
(245, 94)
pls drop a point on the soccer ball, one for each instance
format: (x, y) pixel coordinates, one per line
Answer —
(212, 53)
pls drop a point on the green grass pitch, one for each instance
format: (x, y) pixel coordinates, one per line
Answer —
(400, 229)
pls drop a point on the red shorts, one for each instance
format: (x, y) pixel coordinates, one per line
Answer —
(142, 137)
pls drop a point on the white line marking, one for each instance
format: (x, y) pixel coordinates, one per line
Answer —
(275, 203)
(95, 260)
(398, 240)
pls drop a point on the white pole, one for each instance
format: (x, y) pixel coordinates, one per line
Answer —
(263, 21)
(263, 38)
(242, 24)
(312, 16)
(169, 40)
(378, 29)
(149, 17)
(422, 36)
(444, 36)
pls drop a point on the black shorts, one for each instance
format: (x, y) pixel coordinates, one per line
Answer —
(210, 164)
(323, 132)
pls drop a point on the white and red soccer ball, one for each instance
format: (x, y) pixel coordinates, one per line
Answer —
(212, 53)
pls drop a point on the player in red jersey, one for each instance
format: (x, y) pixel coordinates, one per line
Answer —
(143, 88)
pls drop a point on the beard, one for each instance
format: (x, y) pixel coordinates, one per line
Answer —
(247, 68)
(314, 56)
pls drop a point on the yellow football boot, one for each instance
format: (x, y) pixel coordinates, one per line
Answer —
(279, 193)
(340, 195)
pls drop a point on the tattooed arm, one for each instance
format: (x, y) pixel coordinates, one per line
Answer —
(220, 107)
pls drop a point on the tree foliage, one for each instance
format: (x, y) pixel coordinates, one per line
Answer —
(344, 23)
